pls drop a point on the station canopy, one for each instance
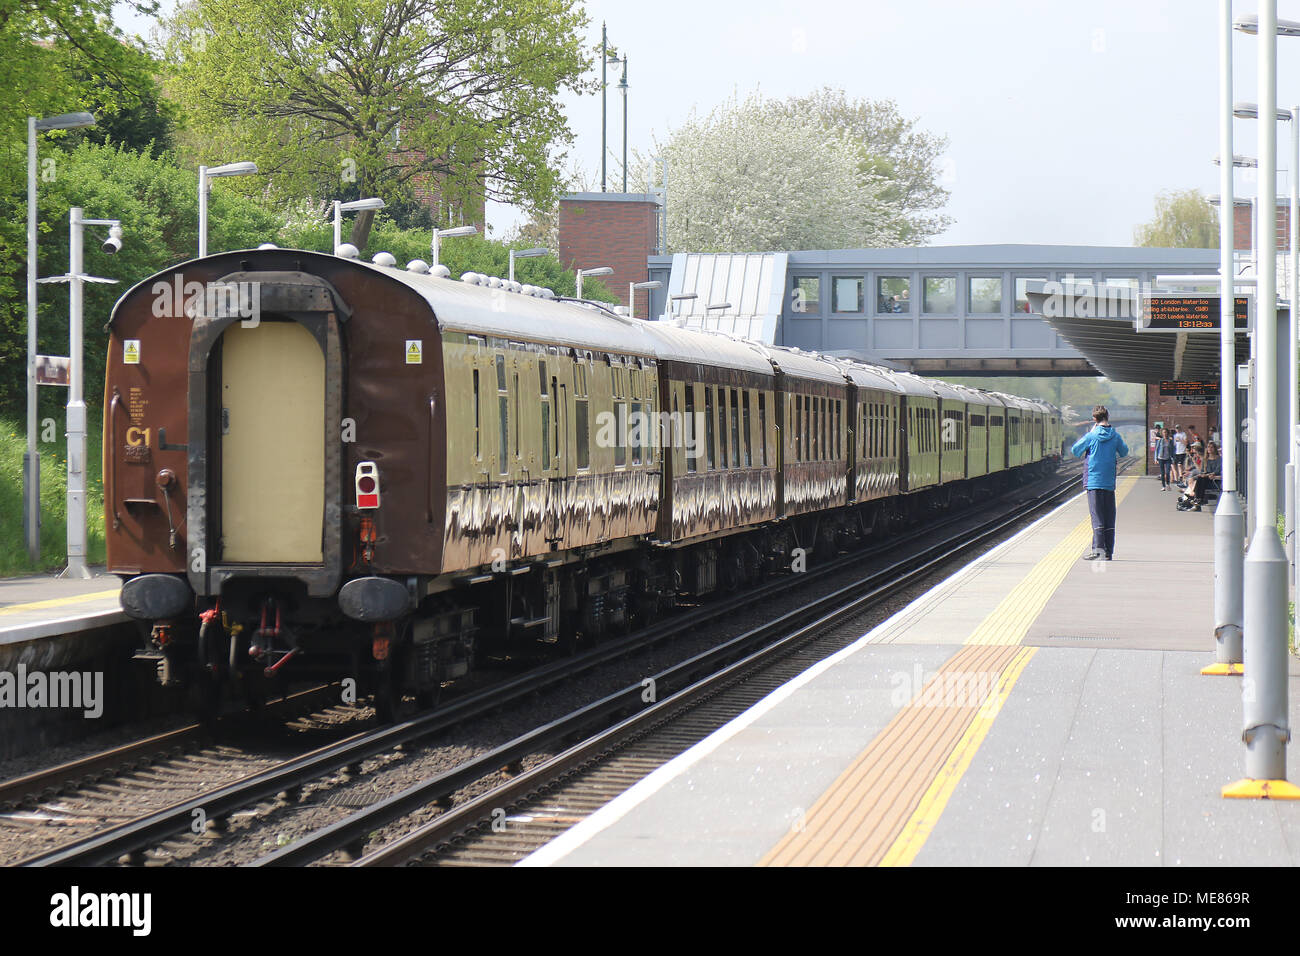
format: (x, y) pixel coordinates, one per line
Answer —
(1098, 320)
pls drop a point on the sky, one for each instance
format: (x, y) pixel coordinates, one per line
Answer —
(1064, 119)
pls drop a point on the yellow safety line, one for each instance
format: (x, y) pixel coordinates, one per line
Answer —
(1009, 621)
(1006, 625)
(923, 820)
(57, 602)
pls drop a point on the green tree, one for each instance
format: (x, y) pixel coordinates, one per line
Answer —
(463, 95)
(893, 148)
(58, 56)
(1184, 219)
(157, 202)
(819, 172)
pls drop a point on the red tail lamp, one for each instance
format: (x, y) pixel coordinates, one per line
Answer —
(367, 485)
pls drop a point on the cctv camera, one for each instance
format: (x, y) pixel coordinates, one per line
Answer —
(114, 241)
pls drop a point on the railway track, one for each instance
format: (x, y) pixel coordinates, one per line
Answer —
(504, 825)
(129, 841)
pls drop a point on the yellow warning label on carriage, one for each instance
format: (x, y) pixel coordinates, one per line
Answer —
(131, 352)
(414, 353)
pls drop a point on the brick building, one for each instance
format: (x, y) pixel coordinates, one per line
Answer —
(1241, 225)
(1204, 418)
(619, 230)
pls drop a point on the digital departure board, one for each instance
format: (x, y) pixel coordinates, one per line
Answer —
(1189, 313)
(1189, 389)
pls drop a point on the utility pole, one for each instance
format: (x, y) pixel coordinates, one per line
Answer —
(604, 60)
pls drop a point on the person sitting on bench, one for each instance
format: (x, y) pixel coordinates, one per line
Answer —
(1211, 470)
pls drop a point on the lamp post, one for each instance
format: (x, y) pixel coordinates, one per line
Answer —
(597, 271)
(355, 206)
(1229, 521)
(622, 88)
(31, 458)
(680, 297)
(632, 288)
(76, 410)
(1265, 724)
(206, 175)
(450, 233)
(1251, 111)
(524, 254)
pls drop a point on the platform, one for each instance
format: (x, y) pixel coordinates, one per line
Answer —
(37, 607)
(1032, 709)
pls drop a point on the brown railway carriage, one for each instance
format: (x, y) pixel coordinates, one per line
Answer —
(722, 468)
(812, 398)
(388, 474)
(875, 445)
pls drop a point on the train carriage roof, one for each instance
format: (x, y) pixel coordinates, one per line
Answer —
(977, 396)
(674, 343)
(915, 385)
(797, 364)
(1015, 401)
(868, 376)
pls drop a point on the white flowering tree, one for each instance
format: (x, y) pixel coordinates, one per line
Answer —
(758, 176)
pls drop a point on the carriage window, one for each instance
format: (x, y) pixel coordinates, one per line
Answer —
(517, 415)
(692, 460)
(620, 439)
(582, 435)
(838, 444)
(795, 430)
(722, 428)
(815, 448)
(708, 427)
(636, 423)
(546, 434)
(749, 441)
(809, 449)
(735, 429)
(762, 426)
(503, 413)
(478, 424)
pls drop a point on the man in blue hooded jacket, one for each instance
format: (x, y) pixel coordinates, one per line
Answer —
(1103, 447)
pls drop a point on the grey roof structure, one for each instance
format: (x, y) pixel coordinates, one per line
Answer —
(1088, 319)
(930, 309)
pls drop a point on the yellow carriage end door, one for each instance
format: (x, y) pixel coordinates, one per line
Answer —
(273, 445)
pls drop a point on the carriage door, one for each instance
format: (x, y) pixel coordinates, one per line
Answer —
(272, 444)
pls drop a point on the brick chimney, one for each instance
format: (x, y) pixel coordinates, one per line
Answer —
(619, 230)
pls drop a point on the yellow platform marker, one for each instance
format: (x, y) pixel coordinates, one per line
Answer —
(1249, 789)
(1223, 670)
(57, 602)
(884, 806)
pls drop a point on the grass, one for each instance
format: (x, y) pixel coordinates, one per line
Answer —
(54, 490)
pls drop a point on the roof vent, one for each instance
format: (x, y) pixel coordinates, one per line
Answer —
(418, 265)
(347, 251)
(441, 271)
(268, 245)
(495, 282)
(515, 286)
(473, 278)
(386, 259)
